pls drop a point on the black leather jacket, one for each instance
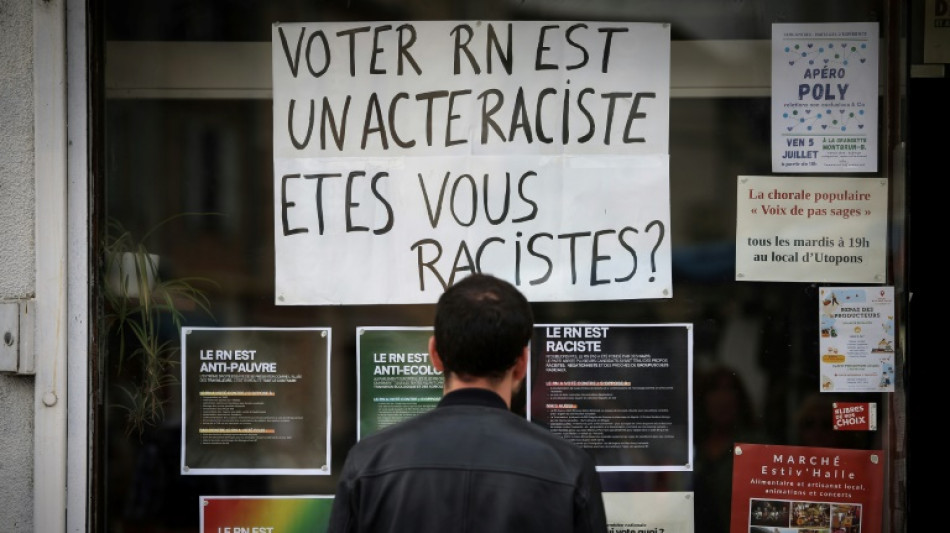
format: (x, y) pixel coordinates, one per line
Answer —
(472, 466)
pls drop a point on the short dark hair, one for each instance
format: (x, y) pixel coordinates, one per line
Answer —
(482, 324)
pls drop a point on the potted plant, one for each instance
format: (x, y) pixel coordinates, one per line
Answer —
(138, 302)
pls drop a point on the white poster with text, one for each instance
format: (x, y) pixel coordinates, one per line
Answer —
(857, 339)
(410, 154)
(649, 512)
(803, 228)
(824, 97)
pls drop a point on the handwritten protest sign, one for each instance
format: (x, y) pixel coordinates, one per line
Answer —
(408, 155)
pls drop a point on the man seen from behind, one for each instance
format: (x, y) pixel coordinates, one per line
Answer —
(470, 464)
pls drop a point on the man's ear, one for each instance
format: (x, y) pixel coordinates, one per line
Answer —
(434, 355)
(520, 370)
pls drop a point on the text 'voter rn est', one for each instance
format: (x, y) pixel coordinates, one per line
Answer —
(227, 355)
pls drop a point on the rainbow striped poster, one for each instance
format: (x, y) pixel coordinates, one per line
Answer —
(265, 514)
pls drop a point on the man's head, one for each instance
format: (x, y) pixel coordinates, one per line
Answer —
(482, 325)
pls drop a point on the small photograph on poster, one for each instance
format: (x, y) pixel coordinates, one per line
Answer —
(770, 513)
(845, 518)
(800, 489)
(255, 401)
(856, 339)
(777, 516)
(264, 514)
(623, 392)
(395, 378)
(649, 512)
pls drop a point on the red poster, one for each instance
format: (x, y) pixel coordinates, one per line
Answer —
(851, 416)
(799, 489)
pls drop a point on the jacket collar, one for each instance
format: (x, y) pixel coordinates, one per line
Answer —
(473, 396)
